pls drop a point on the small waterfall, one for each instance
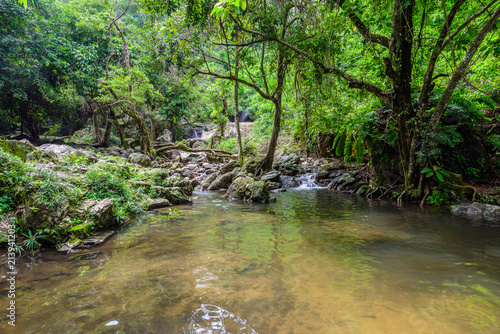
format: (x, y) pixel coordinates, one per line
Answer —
(306, 181)
(196, 132)
(244, 116)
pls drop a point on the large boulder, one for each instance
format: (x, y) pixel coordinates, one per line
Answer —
(62, 151)
(229, 167)
(288, 165)
(273, 185)
(140, 159)
(321, 175)
(247, 189)
(345, 181)
(272, 176)
(477, 210)
(196, 157)
(174, 195)
(222, 181)
(101, 212)
(17, 147)
(252, 164)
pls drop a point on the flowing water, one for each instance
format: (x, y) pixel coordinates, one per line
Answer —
(316, 261)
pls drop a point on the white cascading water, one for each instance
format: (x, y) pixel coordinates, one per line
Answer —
(306, 181)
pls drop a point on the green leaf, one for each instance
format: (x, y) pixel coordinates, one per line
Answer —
(439, 176)
(429, 174)
(243, 4)
(445, 173)
(237, 3)
(426, 170)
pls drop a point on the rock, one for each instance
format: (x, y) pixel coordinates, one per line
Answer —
(272, 176)
(458, 209)
(208, 180)
(222, 181)
(344, 181)
(156, 203)
(197, 157)
(252, 164)
(321, 175)
(246, 188)
(288, 165)
(19, 148)
(68, 246)
(140, 159)
(288, 182)
(191, 142)
(101, 212)
(166, 136)
(477, 210)
(174, 195)
(97, 238)
(273, 185)
(87, 156)
(199, 144)
(185, 185)
(229, 167)
(57, 149)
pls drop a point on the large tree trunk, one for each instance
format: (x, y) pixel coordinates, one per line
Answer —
(400, 51)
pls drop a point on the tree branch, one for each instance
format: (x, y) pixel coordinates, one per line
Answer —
(362, 28)
(460, 71)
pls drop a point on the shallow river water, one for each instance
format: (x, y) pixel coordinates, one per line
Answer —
(316, 261)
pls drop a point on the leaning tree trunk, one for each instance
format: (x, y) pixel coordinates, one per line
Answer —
(267, 164)
(236, 107)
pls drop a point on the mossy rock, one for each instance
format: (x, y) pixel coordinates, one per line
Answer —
(246, 188)
(18, 148)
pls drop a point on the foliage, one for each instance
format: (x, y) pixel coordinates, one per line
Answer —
(440, 196)
(32, 243)
(435, 171)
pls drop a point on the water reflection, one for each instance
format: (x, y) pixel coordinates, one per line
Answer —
(314, 262)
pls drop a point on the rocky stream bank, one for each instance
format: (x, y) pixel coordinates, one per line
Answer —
(73, 195)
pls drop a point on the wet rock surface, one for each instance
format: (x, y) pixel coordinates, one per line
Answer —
(477, 210)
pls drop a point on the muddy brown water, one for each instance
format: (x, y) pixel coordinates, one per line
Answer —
(314, 262)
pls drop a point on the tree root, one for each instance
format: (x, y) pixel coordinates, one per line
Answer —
(474, 190)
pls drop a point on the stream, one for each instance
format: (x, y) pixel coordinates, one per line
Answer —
(316, 261)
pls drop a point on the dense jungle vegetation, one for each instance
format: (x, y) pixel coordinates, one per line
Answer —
(409, 88)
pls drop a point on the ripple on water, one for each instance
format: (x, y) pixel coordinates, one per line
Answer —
(212, 319)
